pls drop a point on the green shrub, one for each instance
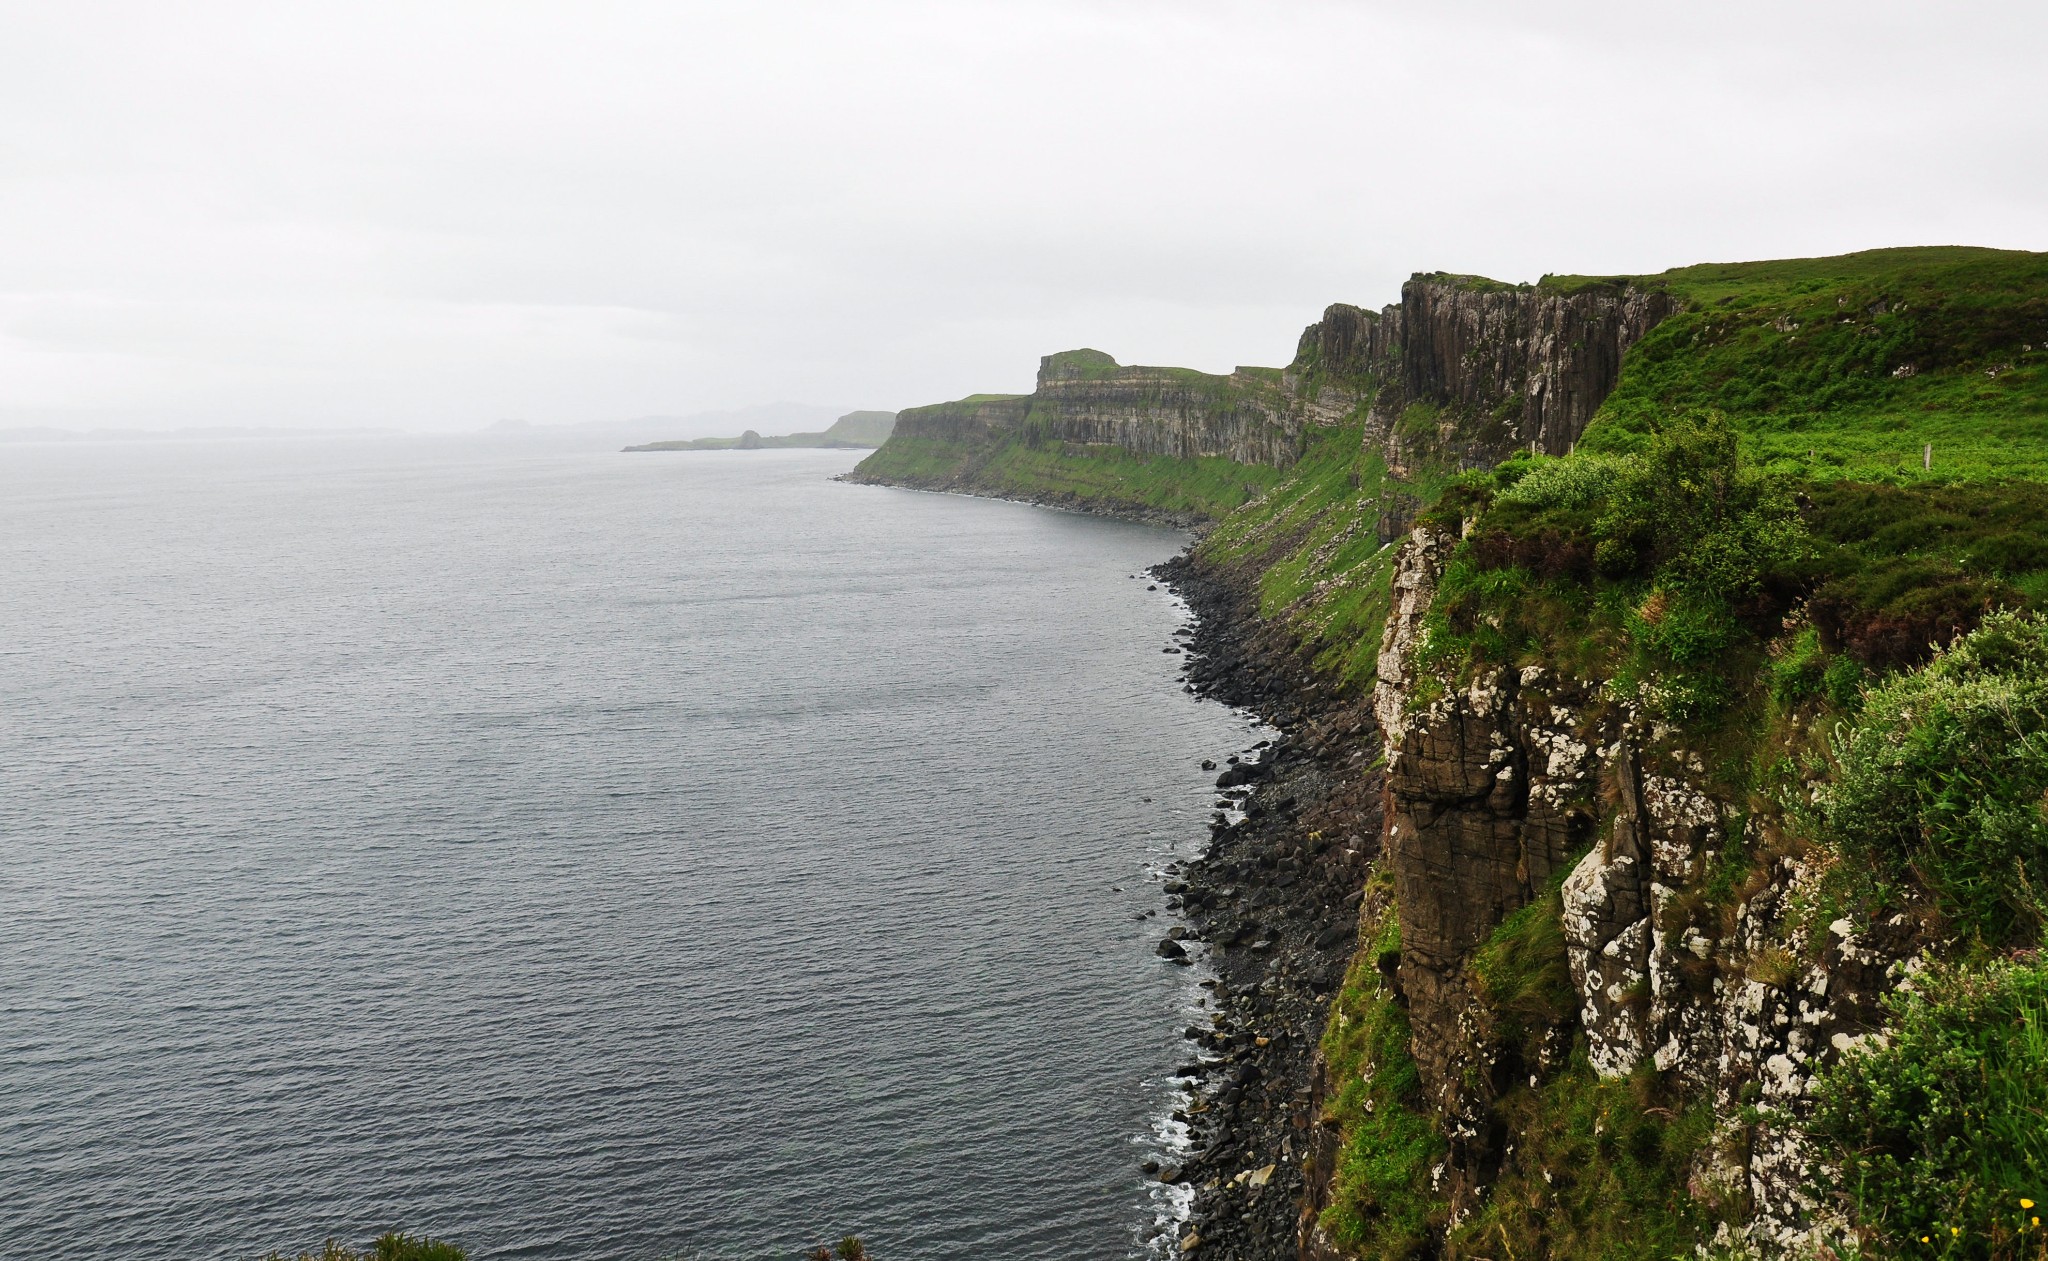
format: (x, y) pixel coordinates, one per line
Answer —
(1942, 1131)
(1944, 780)
(1381, 1200)
(1683, 630)
(1690, 509)
(1577, 482)
(1806, 670)
(397, 1247)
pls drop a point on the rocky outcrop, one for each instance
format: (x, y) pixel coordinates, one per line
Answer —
(1495, 787)
(1508, 368)
(1472, 370)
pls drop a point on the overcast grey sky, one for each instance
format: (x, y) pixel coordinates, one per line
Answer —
(434, 215)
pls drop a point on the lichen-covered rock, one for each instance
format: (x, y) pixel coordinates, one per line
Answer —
(1417, 567)
(1490, 790)
(1494, 785)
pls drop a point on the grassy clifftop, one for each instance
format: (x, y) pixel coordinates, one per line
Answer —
(1830, 371)
(1851, 366)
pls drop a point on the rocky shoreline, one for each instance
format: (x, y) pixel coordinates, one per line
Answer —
(1273, 907)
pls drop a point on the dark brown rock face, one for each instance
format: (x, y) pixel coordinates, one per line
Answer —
(1490, 792)
(1520, 367)
(1476, 370)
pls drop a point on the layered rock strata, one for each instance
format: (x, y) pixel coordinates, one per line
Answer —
(1471, 370)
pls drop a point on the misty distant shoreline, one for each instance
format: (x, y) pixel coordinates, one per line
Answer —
(801, 424)
(855, 431)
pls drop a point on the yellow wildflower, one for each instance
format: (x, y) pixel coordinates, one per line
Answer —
(2025, 1202)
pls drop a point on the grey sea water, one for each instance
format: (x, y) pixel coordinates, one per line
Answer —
(579, 855)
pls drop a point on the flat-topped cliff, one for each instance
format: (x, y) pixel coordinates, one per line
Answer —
(1459, 364)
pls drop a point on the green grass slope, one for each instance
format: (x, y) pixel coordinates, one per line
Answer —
(1095, 476)
(1851, 366)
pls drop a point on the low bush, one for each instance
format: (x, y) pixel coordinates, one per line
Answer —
(1804, 670)
(1692, 511)
(1942, 1128)
(1943, 782)
(1578, 482)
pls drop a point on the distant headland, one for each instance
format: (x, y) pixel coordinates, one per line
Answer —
(855, 431)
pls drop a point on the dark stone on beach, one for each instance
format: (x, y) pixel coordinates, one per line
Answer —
(1171, 949)
(1234, 892)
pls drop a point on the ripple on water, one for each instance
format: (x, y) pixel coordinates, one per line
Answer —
(578, 855)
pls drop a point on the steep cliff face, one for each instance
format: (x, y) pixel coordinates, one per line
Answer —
(975, 421)
(1086, 397)
(1496, 790)
(1471, 370)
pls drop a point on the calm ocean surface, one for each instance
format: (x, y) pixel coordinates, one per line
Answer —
(578, 855)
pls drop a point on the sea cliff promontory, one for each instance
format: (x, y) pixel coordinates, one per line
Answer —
(1649, 861)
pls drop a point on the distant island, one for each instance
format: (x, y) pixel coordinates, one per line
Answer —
(855, 431)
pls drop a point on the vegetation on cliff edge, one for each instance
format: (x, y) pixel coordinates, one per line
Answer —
(1096, 476)
(1851, 366)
